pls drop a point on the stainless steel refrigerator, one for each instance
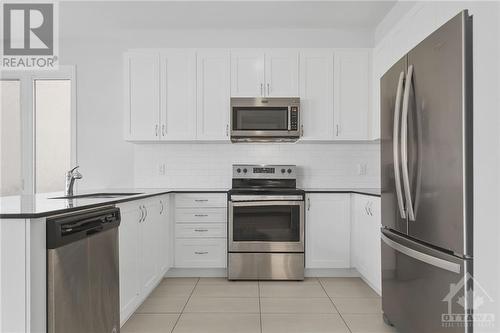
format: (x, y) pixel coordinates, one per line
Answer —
(426, 166)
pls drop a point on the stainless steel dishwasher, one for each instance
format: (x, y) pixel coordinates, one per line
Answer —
(82, 272)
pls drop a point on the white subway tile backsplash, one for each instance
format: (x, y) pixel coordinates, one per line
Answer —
(208, 165)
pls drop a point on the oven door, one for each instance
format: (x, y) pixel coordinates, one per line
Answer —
(266, 226)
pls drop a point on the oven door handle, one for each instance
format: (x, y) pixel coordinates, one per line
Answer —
(266, 203)
(242, 197)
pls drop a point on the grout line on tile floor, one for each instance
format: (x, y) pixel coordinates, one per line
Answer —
(260, 307)
(184, 307)
(335, 306)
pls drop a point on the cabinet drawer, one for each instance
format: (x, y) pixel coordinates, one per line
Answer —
(200, 200)
(199, 215)
(201, 253)
(201, 230)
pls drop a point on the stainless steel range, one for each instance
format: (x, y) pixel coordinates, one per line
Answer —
(266, 224)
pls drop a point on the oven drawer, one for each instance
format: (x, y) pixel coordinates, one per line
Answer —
(201, 200)
(200, 253)
(200, 230)
(197, 215)
(266, 266)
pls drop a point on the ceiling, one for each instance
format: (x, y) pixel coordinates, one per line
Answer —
(362, 15)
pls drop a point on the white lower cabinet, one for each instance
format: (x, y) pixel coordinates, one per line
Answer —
(365, 247)
(327, 230)
(129, 258)
(200, 230)
(143, 243)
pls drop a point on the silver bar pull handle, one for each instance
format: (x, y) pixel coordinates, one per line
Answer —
(200, 252)
(262, 89)
(404, 144)
(427, 258)
(268, 89)
(395, 145)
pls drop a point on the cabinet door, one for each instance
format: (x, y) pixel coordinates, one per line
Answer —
(142, 96)
(247, 73)
(149, 246)
(366, 238)
(164, 234)
(352, 94)
(282, 73)
(178, 85)
(316, 94)
(327, 231)
(213, 94)
(129, 259)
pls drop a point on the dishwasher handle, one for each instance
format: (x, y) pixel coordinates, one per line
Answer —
(72, 227)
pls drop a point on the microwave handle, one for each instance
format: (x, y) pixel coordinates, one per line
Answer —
(289, 118)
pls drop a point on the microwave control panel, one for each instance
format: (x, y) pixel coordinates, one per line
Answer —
(294, 118)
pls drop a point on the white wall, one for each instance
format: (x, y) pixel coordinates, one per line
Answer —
(404, 34)
(209, 165)
(96, 47)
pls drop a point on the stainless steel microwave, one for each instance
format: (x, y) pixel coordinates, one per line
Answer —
(263, 119)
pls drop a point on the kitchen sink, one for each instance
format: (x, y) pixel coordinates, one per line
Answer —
(97, 196)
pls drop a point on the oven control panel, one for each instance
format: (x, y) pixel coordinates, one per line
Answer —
(249, 171)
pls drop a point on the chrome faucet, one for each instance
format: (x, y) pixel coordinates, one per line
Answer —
(71, 176)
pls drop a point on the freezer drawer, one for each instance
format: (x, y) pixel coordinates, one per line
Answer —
(418, 286)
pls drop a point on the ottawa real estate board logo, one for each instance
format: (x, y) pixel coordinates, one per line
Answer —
(29, 36)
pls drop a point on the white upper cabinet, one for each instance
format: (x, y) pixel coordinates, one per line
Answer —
(142, 95)
(328, 230)
(352, 94)
(316, 94)
(247, 73)
(184, 94)
(178, 94)
(282, 73)
(261, 73)
(213, 94)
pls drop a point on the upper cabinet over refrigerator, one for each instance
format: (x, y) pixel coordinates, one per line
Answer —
(264, 73)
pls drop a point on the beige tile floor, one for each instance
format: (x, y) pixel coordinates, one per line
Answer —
(215, 305)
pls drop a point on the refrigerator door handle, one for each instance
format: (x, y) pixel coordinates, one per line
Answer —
(395, 145)
(404, 144)
(428, 259)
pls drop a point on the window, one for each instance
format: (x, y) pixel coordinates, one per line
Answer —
(10, 138)
(52, 111)
(37, 124)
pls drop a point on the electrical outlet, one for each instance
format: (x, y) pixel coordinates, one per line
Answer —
(362, 169)
(359, 168)
(162, 169)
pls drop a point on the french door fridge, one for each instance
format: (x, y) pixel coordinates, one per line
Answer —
(426, 166)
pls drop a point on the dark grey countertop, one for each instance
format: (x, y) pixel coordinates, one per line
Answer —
(41, 205)
(366, 191)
